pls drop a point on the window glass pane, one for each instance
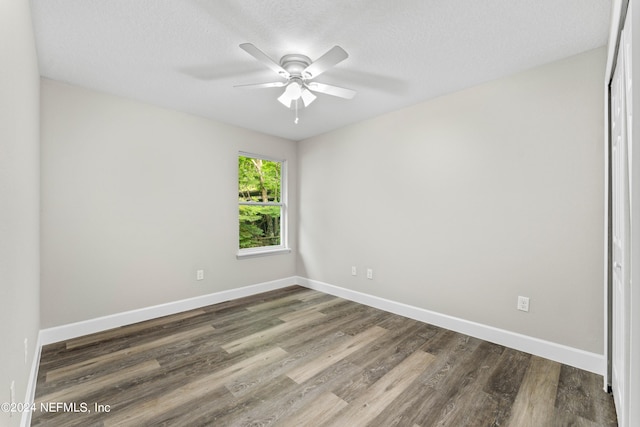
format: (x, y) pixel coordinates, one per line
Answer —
(259, 226)
(259, 180)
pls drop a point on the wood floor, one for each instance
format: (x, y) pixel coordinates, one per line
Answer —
(298, 357)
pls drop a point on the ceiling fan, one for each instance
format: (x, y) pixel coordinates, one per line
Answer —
(298, 72)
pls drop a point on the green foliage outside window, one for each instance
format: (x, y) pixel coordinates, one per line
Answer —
(259, 183)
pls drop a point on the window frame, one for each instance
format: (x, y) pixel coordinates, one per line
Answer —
(283, 247)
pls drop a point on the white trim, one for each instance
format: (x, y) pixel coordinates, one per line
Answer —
(78, 329)
(606, 204)
(30, 394)
(633, 412)
(261, 156)
(261, 203)
(618, 11)
(560, 353)
(283, 247)
(581, 359)
(262, 251)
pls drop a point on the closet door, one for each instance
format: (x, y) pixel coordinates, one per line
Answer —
(620, 217)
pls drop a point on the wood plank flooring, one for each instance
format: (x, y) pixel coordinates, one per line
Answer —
(298, 357)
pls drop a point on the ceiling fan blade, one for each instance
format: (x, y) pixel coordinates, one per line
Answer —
(262, 57)
(340, 92)
(262, 85)
(335, 55)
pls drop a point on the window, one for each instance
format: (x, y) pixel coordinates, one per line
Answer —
(261, 205)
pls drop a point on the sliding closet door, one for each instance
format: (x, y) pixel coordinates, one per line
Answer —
(620, 217)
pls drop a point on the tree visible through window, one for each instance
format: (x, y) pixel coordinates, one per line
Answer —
(260, 202)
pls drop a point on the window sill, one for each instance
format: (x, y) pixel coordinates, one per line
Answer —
(252, 253)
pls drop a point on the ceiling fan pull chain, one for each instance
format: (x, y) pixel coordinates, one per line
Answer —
(296, 120)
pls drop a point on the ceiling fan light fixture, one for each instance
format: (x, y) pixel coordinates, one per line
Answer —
(307, 97)
(298, 70)
(285, 99)
(293, 91)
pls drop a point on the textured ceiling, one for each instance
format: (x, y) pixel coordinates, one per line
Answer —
(184, 54)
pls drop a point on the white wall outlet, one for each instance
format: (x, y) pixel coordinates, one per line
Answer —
(200, 275)
(370, 273)
(26, 350)
(354, 270)
(523, 304)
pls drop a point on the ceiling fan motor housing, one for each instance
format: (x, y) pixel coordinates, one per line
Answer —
(295, 64)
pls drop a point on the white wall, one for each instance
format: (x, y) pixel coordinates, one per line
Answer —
(135, 199)
(459, 204)
(19, 199)
(463, 203)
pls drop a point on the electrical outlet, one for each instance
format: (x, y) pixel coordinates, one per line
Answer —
(370, 273)
(200, 275)
(354, 270)
(523, 304)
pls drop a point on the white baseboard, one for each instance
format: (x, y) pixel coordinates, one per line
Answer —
(86, 327)
(581, 359)
(30, 394)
